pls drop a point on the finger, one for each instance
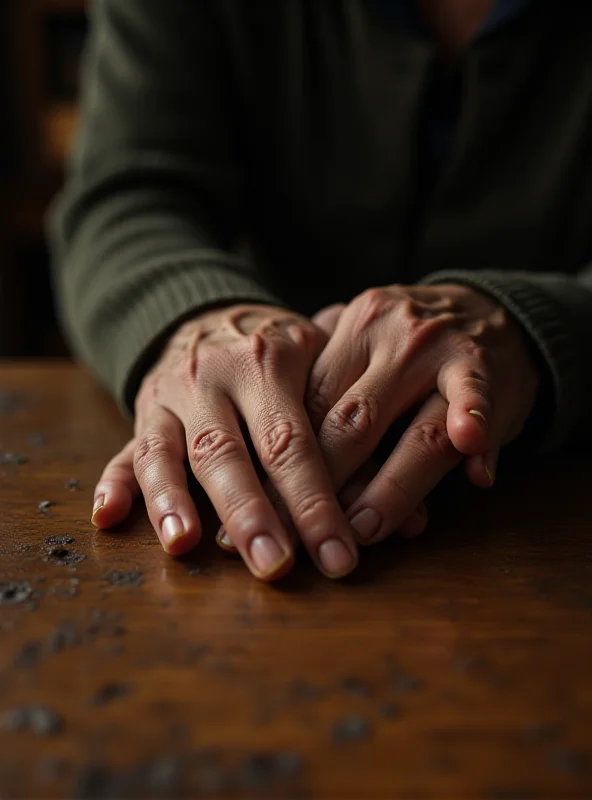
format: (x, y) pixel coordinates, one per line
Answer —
(348, 495)
(411, 527)
(279, 506)
(355, 425)
(481, 470)
(342, 362)
(466, 384)
(358, 483)
(220, 461)
(423, 456)
(506, 424)
(415, 524)
(159, 465)
(223, 540)
(288, 451)
(327, 318)
(116, 490)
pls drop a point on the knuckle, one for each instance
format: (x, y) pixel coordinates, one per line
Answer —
(420, 330)
(502, 319)
(355, 417)
(474, 383)
(162, 496)
(374, 297)
(303, 332)
(150, 448)
(211, 447)
(259, 350)
(478, 329)
(310, 509)
(398, 489)
(372, 305)
(480, 355)
(409, 310)
(244, 516)
(431, 438)
(187, 368)
(148, 388)
(281, 444)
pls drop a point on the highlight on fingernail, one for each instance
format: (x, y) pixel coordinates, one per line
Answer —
(100, 502)
(171, 529)
(267, 556)
(476, 413)
(336, 558)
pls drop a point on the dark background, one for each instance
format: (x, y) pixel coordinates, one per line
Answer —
(40, 48)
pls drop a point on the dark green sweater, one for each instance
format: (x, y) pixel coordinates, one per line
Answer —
(267, 151)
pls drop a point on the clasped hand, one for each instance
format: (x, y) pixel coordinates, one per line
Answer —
(253, 390)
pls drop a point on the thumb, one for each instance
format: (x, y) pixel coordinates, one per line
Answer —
(467, 387)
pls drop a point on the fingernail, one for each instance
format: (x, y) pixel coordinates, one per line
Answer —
(266, 554)
(366, 523)
(172, 528)
(223, 539)
(415, 524)
(336, 559)
(475, 413)
(489, 468)
(100, 502)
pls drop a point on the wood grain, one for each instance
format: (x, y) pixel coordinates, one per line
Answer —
(453, 666)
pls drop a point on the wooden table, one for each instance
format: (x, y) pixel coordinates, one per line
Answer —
(454, 666)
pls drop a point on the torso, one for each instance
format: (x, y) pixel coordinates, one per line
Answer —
(332, 100)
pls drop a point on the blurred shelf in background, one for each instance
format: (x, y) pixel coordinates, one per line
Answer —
(58, 126)
(41, 43)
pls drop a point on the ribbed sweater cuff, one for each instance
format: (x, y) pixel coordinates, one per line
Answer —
(532, 304)
(174, 293)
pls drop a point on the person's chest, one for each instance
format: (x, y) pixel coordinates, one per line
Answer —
(332, 108)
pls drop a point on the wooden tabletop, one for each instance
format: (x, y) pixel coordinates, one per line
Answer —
(458, 665)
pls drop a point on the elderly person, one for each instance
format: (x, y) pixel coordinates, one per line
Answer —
(289, 225)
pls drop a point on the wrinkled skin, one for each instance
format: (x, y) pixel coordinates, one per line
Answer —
(314, 398)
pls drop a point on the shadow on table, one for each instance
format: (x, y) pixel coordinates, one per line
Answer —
(462, 518)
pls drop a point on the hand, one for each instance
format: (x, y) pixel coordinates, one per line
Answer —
(245, 364)
(449, 348)
(326, 319)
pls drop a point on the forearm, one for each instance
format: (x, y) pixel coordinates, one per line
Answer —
(147, 229)
(122, 286)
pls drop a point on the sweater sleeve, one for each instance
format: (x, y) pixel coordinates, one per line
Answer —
(147, 229)
(555, 310)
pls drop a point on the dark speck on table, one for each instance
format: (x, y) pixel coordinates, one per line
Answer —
(118, 577)
(11, 594)
(63, 556)
(12, 458)
(38, 719)
(350, 728)
(109, 692)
